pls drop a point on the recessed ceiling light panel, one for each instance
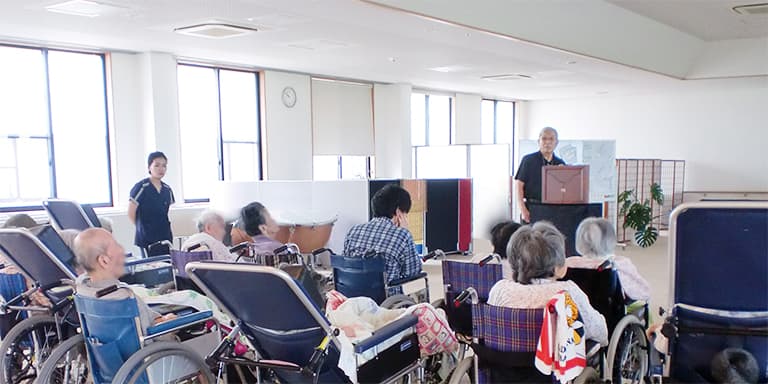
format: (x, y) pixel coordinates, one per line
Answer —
(85, 8)
(507, 77)
(215, 30)
(752, 9)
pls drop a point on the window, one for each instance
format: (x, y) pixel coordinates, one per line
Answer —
(219, 123)
(431, 119)
(498, 122)
(52, 106)
(342, 167)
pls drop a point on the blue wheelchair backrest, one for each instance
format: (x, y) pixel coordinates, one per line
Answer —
(66, 214)
(722, 245)
(111, 331)
(36, 261)
(360, 276)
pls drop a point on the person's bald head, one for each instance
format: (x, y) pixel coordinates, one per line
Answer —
(97, 251)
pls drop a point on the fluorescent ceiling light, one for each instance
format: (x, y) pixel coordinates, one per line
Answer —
(507, 77)
(215, 30)
(84, 8)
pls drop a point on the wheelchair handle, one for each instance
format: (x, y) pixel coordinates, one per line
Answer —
(605, 265)
(462, 297)
(488, 259)
(320, 251)
(437, 253)
(107, 291)
(194, 246)
(239, 247)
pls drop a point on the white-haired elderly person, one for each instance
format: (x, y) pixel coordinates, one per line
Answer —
(537, 257)
(103, 260)
(595, 241)
(211, 230)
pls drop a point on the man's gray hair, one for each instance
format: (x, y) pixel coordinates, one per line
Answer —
(595, 237)
(550, 130)
(87, 247)
(207, 217)
(535, 251)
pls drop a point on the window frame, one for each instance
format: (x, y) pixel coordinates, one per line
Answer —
(220, 142)
(495, 120)
(369, 170)
(451, 120)
(50, 138)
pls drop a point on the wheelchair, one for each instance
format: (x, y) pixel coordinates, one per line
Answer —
(112, 347)
(504, 341)
(626, 360)
(719, 291)
(367, 276)
(42, 257)
(296, 344)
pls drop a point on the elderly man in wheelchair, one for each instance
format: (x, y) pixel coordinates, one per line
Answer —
(123, 338)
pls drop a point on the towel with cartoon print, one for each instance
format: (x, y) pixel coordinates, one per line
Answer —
(561, 349)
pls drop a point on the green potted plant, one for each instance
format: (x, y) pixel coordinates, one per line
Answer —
(638, 215)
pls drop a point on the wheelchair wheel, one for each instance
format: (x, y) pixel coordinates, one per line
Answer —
(67, 364)
(397, 302)
(165, 362)
(628, 352)
(25, 348)
(462, 374)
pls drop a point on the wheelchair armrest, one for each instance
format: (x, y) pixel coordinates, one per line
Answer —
(396, 282)
(153, 259)
(386, 332)
(178, 323)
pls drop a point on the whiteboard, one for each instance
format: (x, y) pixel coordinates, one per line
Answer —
(600, 155)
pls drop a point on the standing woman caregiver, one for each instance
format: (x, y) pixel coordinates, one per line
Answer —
(148, 207)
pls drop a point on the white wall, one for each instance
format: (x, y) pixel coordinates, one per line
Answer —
(288, 131)
(392, 130)
(468, 114)
(720, 132)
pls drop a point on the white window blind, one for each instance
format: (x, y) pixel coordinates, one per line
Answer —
(342, 118)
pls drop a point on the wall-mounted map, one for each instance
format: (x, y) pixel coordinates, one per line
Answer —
(600, 155)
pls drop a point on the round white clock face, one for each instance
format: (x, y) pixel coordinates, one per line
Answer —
(289, 97)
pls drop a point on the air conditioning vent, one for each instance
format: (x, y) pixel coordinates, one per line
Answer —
(752, 9)
(215, 30)
(507, 77)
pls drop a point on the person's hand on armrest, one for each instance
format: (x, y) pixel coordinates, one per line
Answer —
(164, 318)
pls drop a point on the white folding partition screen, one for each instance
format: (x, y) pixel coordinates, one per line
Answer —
(342, 118)
(300, 202)
(489, 169)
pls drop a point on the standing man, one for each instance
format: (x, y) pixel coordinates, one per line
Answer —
(150, 201)
(528, 177)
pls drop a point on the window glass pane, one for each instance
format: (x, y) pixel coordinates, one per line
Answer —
(445, 162)
(199, 126)
(505, 121)
(325, 168)
(23, 105)
(239, 106)
(241, 161)
(34, 171)
(418, 124)
(354, 167)
(439, 120)
(79, 121)
(486, 122)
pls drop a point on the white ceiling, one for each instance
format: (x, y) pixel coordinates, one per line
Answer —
(706, 19)
(351, 39)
